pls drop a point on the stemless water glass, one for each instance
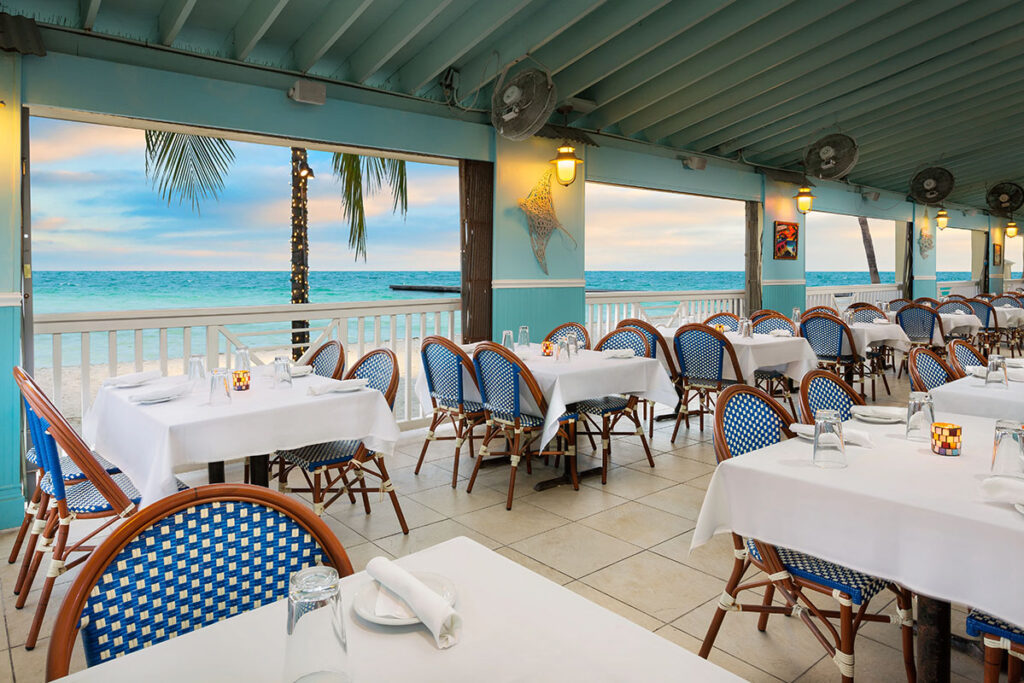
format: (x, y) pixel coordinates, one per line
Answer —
(746, 328)
(523, 347)
(282, 371)
(316, 649)
(880, 305)
(562, 351)
(1008, 449)
(995, 374)
(196, 367)
(920, 416)
(796, 314)
(572, 344)
(829, 451)
(507, 340)
(220, 387)
(242, 359)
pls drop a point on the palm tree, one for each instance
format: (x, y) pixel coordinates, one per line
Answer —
(869, 249)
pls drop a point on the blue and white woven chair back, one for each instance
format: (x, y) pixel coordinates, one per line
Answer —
(563, 331)
(981, 310)
(730, 322)
(1000, 301)
(823, 393)
(898, 304)
(769, 324)
(867, 315)
(700, 354)
(192, 569)
(955, 307)
(918, 323)
(749, 423)
(824, 334)
(325, 362)
(499, 383)
(443, 369)
(652, 342)
(47, 452)
(378, 367)
(626, 338)
(967, 356)
(931, 372)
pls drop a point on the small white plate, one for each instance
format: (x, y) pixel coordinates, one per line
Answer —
(365, 603)
(879, 419)
(162, 399)
(805, 437)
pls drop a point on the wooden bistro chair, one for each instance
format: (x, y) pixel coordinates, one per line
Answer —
(958, 306)
(329, 360)
(701, 352)
(826, 335)
(898, 303)
(446, 366)
(100, 496)
(612, 409)
(920, 324)
(961, 355)
(659, 350)
(326, 467)
(1012, 336)
(986, 296)
(748, 419)
(762, 313)
(731, 321)
(773, 381)
(997, 635)
(824, 390)
(503, 377)
(188, 561)
(563, 331)
(820, 309)
(927, 301)
(989, 336)
(928, 370)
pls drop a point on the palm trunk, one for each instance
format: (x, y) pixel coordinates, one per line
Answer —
(300, 250)
(869, 250)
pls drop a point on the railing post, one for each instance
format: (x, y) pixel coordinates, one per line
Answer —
(212, 347)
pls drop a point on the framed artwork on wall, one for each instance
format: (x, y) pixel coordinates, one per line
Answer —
(997, 255)
(787, 240)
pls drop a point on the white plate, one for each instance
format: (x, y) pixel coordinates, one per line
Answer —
(365, 603)
(132, 385)
(162, 399)
(805, 437)
(879, 419)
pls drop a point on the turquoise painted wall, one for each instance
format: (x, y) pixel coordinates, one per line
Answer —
(542, 308)
(783, 283)
(995, 283)
(923, 258)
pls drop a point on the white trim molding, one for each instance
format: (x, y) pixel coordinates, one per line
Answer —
(924, 277)
(10, 299)
(538, 283)
(782, 282)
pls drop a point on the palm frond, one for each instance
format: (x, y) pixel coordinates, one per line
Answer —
(362, 176)
(189, 167)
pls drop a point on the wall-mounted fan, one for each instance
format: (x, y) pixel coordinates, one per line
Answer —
(931, 185)
(1005, 197)
(521, 105)
(831, 157)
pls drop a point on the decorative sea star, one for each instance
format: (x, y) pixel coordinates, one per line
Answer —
(540, 214)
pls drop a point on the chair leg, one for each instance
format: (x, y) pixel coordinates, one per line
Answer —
(846, 634)
(434, 421)
(46, 544)
(488, 435)
(56, 563)
(512, 476)
(385, 484)
(26, 522)
(1013, 668)
(38, 525)
(716, 620)
(460, 427)
(769, 594)
(606, 448)
(570, 452)
(905, 602)
(993, 664)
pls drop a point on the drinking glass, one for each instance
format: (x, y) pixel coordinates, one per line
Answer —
(920, 416)
(242, 359)
(1008, 449)
(316, 648)
(996, 371)
(880, 305)
(282, 371)
(220, 387)
(562, 353)
(829, 451)
(745, 328)
(196, 367)
(572, 344)
(796, 314)
(507, 340)
(523, 347)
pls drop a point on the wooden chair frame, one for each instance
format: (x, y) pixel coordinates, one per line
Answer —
(670, 361)
(854, 364)
(916, 343)
(581, 332)
(898, 303)
(761, 313)
(955, 297)
(704, 395)
(927, 301)
(993, 665)
(837, 643)
(916, 381)
(339, 368)
(954, 362)
(777, 385)
(65, 631)
(814, 310)
(989, 336)
(806, 415)
(732, 316)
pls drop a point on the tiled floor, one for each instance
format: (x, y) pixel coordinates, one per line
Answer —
(624, 545)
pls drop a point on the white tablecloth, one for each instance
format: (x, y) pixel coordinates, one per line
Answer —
(589, 375)
(149, 442)
(952, 322)
(970, 396)
(792, 356)
(559, 636)
(866, 334)
(897, 511)
(1009, 317)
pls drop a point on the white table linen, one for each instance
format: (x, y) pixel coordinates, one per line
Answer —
(792, 356)
(951, 322)
(970, 396)
(896, 511)
(559, 636)
(149, 442)
(1009, 317)
(868, 334)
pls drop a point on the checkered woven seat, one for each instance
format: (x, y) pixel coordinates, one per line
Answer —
(326, 360)
(860, 587)
(191, 569)
(767, 374)
(771, 323)
(955, 307)
(981, 624)
(967, 355)
(931, 372)
(600, 406)
(630, 338)
(731, 322)
(1001, 301)
(530, 420)
(564, 330)
(867, 315)
(652, 340)
(72, 472)
(468, 406)
(918, 322)
(823, 393)
(84, 497)
(321, 454)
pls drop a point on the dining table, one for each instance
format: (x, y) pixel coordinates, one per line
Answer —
(972, 396)
(151, 442)
(896, 511)
(790, 355)
(870, 334)
(516, 626)
(966, 323)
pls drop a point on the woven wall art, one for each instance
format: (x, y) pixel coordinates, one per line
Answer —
(540, 215)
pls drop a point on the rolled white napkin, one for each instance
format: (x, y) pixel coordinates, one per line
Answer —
(1003, 489)
(132, 380)
(167, 391)
(880, 411)
(618, 353)
(854, 437)
(301, 370)
(340, 385)
(781, 333)
(434, 611)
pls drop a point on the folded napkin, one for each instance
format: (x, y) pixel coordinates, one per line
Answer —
(854, 437)
(1012, 374)
(132, 380)
(167, 391)
(433, 610)
(781, 333)
(301, 370)
(881, 321)
(880, 411)
(1003, 489)
(340, 385)
(618, 353)
(1007, 307)
(1015, 362)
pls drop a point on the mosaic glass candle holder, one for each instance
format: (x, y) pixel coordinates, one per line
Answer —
(547, 348)
(240, 380)
(946, 438)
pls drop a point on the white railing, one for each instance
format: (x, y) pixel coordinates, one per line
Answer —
(604, 310)
(826, 296)
(1012, 285)
(968, 288)
(75, 352)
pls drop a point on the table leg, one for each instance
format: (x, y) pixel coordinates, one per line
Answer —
(259, 472)
(216, 472)
(566, 477)
(932, 640)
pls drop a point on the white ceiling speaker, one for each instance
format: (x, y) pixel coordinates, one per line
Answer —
(308, 92)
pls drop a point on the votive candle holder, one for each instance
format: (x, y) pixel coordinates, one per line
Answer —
(946, 438)
(240, 380)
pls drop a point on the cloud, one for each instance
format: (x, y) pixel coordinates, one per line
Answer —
(83, 139)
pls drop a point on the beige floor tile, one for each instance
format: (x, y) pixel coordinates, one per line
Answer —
(630, 483)
(451, 502)
(431, 534)
(675, 468)
(723, 659)
(508, 526)
(656, 585)
(873, 662)
(617, 606)
(382, 520)
(701, 452)
(682, 499)
(407, 482)
(20, 620)
(714, 557)
(496, 476)
(345, 534)
(359, 555)
(535, 566)
(572, 504)
(638, 524)
(701, 483)
(575, 550)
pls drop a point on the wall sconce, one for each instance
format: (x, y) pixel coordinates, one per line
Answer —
(804, 199)
(1011, 228)
(942, 219)
(305, 171)
(565, 164)
(694, 163)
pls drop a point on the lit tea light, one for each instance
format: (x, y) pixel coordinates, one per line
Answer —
(240, 380)
(719, 328)
(547, 348)
(946, 438)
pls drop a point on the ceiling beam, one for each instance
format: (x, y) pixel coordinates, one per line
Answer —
(465, 33)
(964, 171)
(326, 31)
(545, 24)
(254, 22)
(618, 35)
(87, 10)
(781, 64)
(172, 18)
(403, 25)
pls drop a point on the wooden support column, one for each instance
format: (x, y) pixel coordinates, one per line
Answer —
(752, 256)
(476, 236)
